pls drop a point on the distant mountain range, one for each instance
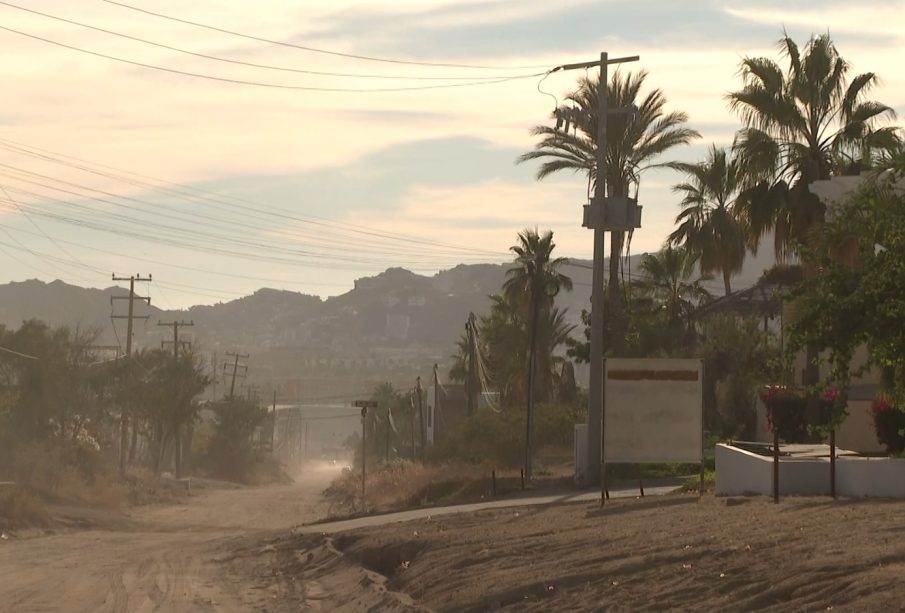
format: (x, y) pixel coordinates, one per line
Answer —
(390, 327)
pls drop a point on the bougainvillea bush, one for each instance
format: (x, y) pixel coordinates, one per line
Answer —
(889, 423)
(785, 411)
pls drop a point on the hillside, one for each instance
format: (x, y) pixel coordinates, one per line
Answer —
(392, 326)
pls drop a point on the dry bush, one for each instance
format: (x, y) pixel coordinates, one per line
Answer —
(403, 483)
(67, 471)
(20, 508)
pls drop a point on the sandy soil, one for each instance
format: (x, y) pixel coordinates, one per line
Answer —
(663, 553)
(201, 555)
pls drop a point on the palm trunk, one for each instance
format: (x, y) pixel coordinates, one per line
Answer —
(529, 417)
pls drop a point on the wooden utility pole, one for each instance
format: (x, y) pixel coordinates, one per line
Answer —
(471, 377)
(176, 325)
(602, 214)
(412, 424)
(235, 369)
(436, 419)
(273, 427)
(124, 420)
(418, 390)
(364, 405)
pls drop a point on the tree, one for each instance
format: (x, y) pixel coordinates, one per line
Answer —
(708, 225)
(675, 289)
(810, 123)
(533, 285)
(806, 124)
(232, 452)
(634, 142)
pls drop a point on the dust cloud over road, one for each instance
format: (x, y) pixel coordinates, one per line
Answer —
(170, 558)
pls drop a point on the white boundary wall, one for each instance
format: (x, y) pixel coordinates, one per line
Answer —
(740, 472)
(654, 410)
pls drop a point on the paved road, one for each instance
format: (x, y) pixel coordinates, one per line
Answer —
(390, 518)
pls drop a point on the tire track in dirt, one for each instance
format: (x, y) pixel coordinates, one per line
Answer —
(167, 559)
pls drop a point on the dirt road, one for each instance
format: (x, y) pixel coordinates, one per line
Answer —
(185, 557)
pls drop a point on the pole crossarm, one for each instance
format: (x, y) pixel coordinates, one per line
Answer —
(596, 63)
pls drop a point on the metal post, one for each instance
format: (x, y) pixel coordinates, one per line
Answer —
(775, 465)
(833, 463)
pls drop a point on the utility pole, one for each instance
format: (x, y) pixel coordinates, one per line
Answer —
(124, 420)
(602, 215)
(364, 405)
(470, 381)
(418, 390)
(436, 419)
(215, 374)
(176, 325)
(273, 427)
(235, 369)
(412, 425)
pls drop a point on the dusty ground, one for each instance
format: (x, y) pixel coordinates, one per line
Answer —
(232, 550)
(183, 557)
(666, 553)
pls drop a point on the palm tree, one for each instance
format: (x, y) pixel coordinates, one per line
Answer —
(672, 284)
(801, 126)
(708, 225)
(534, 283)
(634, 142)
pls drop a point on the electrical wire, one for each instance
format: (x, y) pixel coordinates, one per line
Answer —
(240, 62)
(183, 267)
(242, 205)
(36, 226)
(315, 49)
(283, 86)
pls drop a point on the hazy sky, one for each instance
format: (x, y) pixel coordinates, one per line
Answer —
(247, 186)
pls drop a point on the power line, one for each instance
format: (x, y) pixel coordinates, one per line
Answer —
(183, 267)
(315, 49)
(284, 86)
(333, 244)
(240, 62)
(243, 205)
(37, 227)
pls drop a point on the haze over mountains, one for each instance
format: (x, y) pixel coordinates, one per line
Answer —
(390, 327)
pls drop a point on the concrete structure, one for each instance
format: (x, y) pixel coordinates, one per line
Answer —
(804, 470)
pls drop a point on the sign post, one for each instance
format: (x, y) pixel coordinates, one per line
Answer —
(364, 405)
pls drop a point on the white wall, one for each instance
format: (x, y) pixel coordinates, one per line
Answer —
(740, 472)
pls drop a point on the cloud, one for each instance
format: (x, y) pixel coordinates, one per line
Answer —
(491, 32)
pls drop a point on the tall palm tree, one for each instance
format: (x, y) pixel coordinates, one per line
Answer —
(708, 225)
(800, 126)
(634, 142)
(534, 282)
(672, 283)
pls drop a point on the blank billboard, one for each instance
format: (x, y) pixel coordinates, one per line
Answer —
(654, 410)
